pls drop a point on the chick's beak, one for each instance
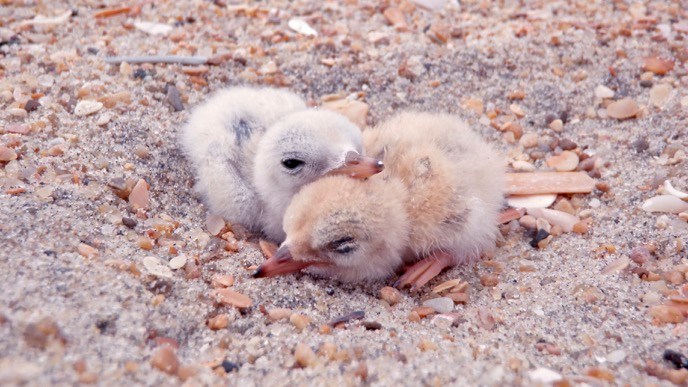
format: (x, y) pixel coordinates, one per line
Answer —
(358, 166)
(279, 264)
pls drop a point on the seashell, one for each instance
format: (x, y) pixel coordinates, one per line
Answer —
(531, 201)
(555, 218)
(673, 191)
(300, 26)
(665, 203)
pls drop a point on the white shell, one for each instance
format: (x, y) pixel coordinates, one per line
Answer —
(531, 201)
(155, 267)
(673, 191)
(153, 28)
(300, 26)
(665, 203)
(86, 107)
(555, 218)
(177, 262)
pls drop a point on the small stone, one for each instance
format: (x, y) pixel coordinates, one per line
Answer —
(523, 166)
(139, 196)
(528, 222)
(18, 112)
(187, 372)
(433, 5)
(529, 140)
(31, 105)
(617, 265)
(641, 255)
(221, 321)
(304, 355)
(489, 280)
(564, 162)
(178, 262)
(474, 104)
(391, 295)
(85, 108)
(279, 314)
(145, 243)
(517, 110)
(174, 98)
(355, 111)
(153, 28)
(659, 94)
(129, 222)
(657, 65)
(214, 224)
(582, 227)
(87, 251)
(222, 281)
(544, 375)
(616, 356)
(603, 92)
(396, 18)
(623, 109)
(556, 125)
(299, 321)
(427, 345)
(7, 154)
(156, 267)
(371, 325)
(165, 360)
(440, 304)
(601, 373)
(230, 297)
(567, 144)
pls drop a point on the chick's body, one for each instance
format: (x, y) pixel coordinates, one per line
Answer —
(436, 204)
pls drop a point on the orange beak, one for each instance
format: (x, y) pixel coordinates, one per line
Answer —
(359, 167)
(279, 264)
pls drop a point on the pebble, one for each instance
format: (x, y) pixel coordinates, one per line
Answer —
(665, 203)
(523, 166)
(396, 18)
(531, 201)
(302, 27)
(659, 94)
(174, 98)
(18, 112)
(617, 265)
(427, 345)
(85, 108)
(544, 375)
(221, 321)
(299, 321)
(156, 267)
(7, 154)
(616, 356)
(87, 251)
(657, 65)
(304, 355)
(564, 162)
(178, 262)
(165, 360)
(139, 196)
(517, 110)
(567, 144)
(528, 140)
(391, 295)
(153, 28)
(603, 92)
(554, 217)
(433, 5)
(440, 304)
(222, 281)
(230, 297)
(371, 325)
(279, 314)
(594, 203)
(556, 125)
(214, 224)
(355, 111)
(623, 109)
(31, 105)
(528, 222)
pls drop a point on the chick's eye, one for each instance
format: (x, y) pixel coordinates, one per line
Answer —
(343, 245)
(292, 163)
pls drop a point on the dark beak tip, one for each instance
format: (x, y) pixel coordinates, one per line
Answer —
(258, 273)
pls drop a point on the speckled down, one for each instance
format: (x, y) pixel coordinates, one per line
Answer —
(475, 59)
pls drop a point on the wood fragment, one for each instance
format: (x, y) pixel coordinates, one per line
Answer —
(169, 59)
(548, 182)
(111, 12)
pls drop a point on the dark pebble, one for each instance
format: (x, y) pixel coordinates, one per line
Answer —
(549, 118)
(645, 83)
(371, 325)
(229, 366)
(567, 144)
(140, 73)
(129, 222)
(676, 358)
(117, 183)
(92, 50)
(641, 145)
(31, 105)
(174, 98)
(357, 315)
(540, 235)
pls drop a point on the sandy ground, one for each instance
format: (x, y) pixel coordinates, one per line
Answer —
(70, 316)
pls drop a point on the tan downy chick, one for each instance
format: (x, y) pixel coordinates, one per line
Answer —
(435, 205)
(253, 148)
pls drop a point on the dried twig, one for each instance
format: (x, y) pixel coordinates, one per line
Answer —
(173, 59)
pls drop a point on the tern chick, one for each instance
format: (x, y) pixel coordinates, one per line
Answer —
(435, 205)
(253, 148)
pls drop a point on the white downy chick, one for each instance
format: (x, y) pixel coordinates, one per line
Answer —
(435, 205)
(242, 144)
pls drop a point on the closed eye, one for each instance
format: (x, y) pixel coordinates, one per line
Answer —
(343, 245)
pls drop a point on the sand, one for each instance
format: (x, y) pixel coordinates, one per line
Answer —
(551, 314)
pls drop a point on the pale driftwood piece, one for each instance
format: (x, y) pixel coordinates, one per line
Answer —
(548, 182)
(173, 59)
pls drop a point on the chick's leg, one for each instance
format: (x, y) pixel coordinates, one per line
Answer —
(423, 271)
